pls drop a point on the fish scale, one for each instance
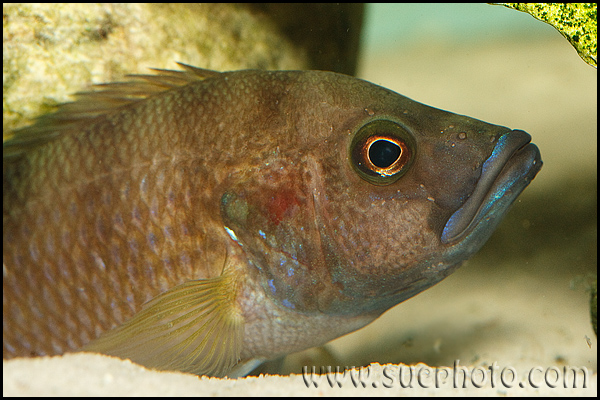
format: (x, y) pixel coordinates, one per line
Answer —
(206, 222)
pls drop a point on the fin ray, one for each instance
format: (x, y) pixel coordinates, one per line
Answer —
(101, 100)
(194, 327)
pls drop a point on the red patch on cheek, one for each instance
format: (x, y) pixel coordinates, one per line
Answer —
(279, 204)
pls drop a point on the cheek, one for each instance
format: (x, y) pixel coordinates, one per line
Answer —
(385, 233)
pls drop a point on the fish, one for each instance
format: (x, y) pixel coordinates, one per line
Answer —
(206, 222)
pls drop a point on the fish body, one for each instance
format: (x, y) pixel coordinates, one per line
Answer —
(205, 222)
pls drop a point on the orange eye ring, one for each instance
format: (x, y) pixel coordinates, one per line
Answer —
(382, 151)
(396, 166)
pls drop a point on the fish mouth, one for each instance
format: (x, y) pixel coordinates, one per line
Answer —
(514, 162)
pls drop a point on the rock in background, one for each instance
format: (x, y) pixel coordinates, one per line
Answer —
(53, 50)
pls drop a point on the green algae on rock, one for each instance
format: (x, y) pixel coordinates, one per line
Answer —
(577, 22)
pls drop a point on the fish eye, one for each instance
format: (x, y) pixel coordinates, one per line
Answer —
(382, 151)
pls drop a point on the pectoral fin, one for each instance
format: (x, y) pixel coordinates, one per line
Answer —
(194, 327)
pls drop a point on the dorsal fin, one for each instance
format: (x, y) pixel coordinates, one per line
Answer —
(102, 99)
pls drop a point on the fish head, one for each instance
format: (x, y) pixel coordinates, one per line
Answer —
(376, 198)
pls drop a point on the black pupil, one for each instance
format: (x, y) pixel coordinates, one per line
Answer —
(383, 153)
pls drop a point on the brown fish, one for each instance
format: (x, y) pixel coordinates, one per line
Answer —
(205, 222)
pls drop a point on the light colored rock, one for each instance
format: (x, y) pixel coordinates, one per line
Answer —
(53, 50)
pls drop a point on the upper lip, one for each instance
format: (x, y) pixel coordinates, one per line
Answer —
(514, 162)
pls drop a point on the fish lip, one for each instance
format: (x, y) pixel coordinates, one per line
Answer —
(514, 162)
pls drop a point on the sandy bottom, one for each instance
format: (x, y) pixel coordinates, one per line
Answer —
(522, 302)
